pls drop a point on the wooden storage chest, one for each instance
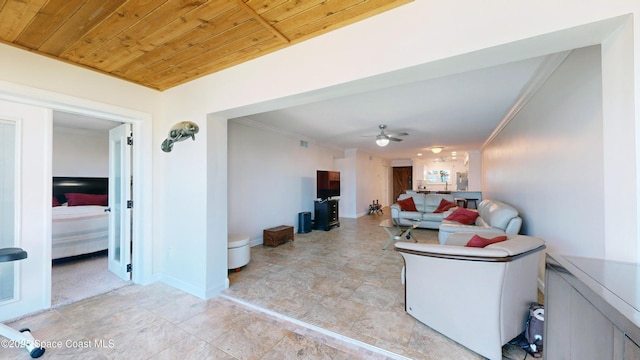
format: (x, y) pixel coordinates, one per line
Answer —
(277, 235)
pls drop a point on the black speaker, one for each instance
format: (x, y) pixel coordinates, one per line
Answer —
(304, 222)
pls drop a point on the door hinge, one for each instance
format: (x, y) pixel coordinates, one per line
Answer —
(129, 140)
(128, 267)
(129, 204)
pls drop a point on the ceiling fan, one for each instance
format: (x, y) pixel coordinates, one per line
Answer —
(383, 138)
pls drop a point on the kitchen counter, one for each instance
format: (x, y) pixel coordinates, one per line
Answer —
(456, 193)
(472, 198)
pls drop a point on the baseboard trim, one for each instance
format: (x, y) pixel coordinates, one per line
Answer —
(181, 285)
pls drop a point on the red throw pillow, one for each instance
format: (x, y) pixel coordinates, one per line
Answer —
(77, 199)
(463, 216)
(480, 242)
(55, 202)
(407, 204)
(444, 206)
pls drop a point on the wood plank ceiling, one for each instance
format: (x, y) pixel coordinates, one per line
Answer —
(164, 43)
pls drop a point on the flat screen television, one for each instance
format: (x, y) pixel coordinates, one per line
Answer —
(328, 184)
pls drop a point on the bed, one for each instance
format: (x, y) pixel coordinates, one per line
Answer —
(80, 224)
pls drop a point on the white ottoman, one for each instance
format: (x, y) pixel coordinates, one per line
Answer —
(239, 250)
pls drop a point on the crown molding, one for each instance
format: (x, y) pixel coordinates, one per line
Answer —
(548, 66)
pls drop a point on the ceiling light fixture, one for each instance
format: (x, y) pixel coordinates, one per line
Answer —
(436, 149)
(382, 140)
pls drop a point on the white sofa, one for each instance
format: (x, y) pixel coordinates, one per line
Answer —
(425, 204)
(478, 297)
(495, 218)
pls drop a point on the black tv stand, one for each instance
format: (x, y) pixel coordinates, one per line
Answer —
(326, 214)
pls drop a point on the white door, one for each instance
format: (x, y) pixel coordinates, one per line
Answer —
(120, 203)
(25, 208)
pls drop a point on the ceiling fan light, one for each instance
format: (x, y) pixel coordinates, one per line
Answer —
(436, 150)
(382, 140)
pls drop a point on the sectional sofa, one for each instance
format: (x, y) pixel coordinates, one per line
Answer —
(425, 205)
(494, 218)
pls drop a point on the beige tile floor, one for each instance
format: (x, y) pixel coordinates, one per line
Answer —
(342, 280)
(327, 295)
(160, 322)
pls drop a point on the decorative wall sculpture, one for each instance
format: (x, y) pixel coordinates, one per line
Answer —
(179, 132)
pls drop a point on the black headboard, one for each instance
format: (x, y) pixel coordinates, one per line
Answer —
(84, 185)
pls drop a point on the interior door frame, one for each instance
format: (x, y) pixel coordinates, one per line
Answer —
(142, 164)
(30, 273)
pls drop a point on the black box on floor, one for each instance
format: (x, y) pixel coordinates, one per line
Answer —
(304, 222)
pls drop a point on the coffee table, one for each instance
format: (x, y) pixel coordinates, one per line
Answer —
(398, 232)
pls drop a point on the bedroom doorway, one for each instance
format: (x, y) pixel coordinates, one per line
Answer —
(33, 110)
(81, 152)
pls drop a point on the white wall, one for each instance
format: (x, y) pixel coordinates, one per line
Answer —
(401, 162)
(548, 161)
(32, 216)
(372, 182)
(363, 180)
(347, 165)
(271, 178)
(7, 203)
(80, 152)
(474, 169)
(7, 184)
(620, 107)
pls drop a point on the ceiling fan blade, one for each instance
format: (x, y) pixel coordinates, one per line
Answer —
(398, 134)
(391, 137)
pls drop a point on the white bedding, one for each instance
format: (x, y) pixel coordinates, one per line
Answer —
(78, 230)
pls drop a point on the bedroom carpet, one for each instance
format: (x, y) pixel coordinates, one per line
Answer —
(82, 278)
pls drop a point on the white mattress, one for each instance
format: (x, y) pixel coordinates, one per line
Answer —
(77, 230)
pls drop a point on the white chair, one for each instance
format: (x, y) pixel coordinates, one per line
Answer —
(23, 336)
(478, 297)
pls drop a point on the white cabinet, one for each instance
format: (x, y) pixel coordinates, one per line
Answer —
(631, 349)
(590, 309)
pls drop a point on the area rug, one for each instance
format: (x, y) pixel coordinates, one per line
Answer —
(82, 278)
